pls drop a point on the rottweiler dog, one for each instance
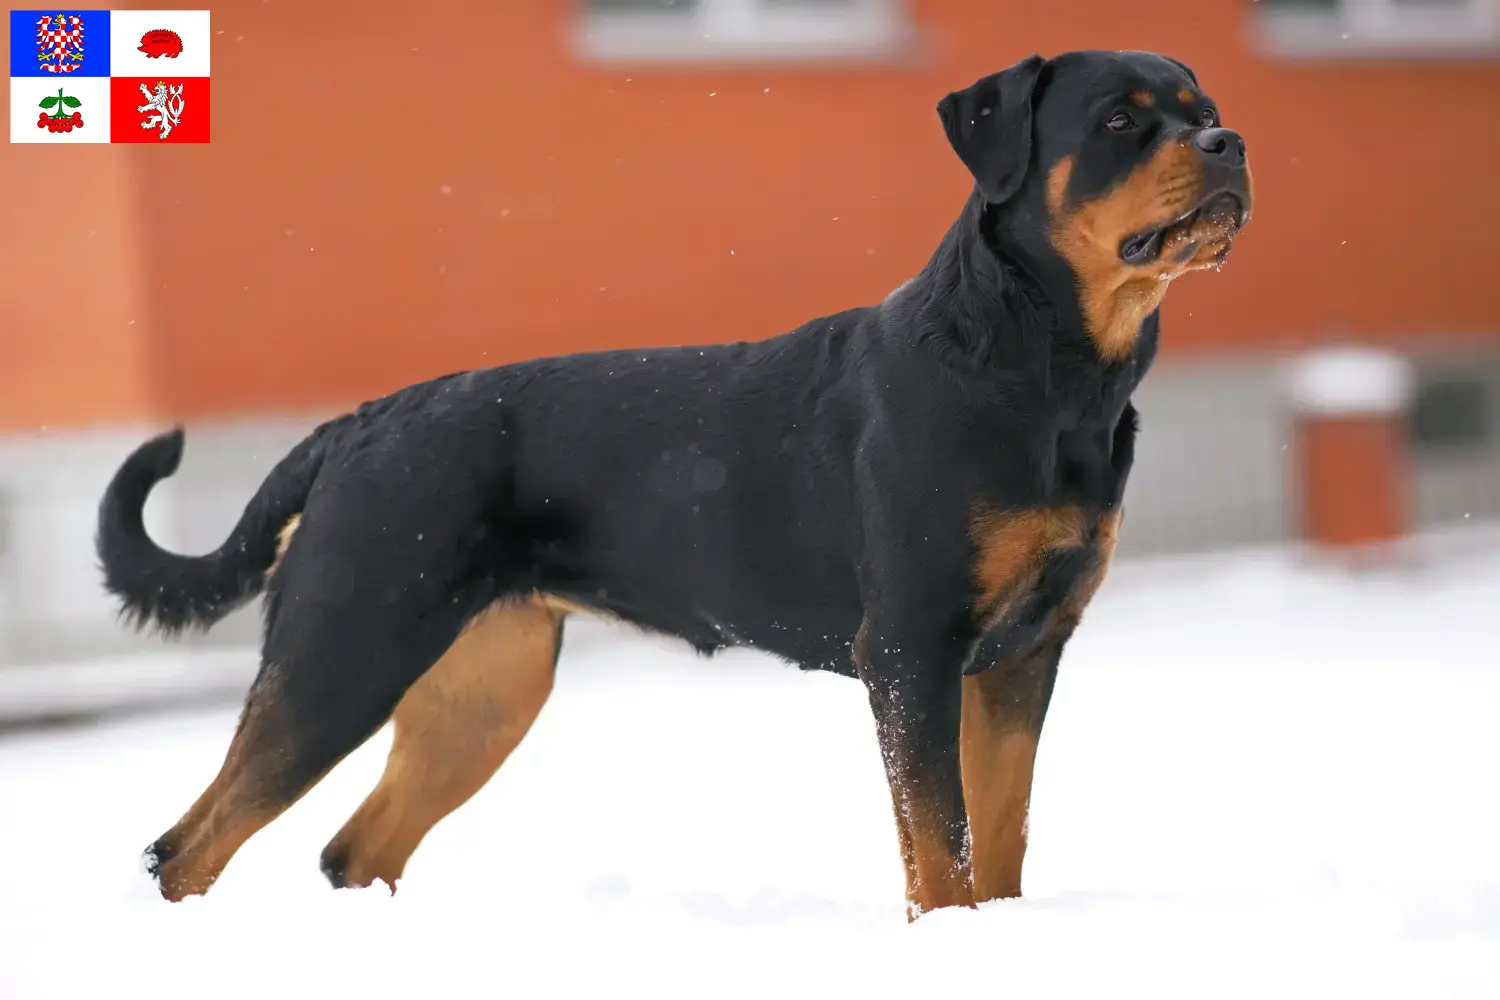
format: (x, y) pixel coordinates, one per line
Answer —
(922, 494)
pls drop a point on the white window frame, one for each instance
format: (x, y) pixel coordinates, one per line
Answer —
(718, 31)
(1381, 29)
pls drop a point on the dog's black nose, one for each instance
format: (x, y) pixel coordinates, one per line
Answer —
(1222, 146)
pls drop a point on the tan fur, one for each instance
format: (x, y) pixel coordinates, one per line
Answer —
(561, 606)
(283, 541)
(997, 773)
(934, 877)
(1117, 297)
(1003, 706)
(236, 804)
(1142, 99)
(1107, 537)
(454, 728)
(1002, 720)
(1012, 545)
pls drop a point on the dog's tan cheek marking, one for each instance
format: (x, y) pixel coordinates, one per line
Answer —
(1115, 297)
(1057, 187)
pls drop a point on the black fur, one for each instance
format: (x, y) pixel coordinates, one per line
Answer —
(989, 127)
(812, 495)
(175, 593)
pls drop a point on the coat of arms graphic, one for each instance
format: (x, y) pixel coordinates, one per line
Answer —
(59, 42)
(163, 107)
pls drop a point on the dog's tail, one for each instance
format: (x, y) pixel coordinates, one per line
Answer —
(175, 592)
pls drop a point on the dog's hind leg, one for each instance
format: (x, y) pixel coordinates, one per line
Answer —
(454, 729)
(330, 677)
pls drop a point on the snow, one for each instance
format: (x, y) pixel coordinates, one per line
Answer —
(1259, 778)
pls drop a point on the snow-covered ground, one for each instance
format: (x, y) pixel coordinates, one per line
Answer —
(1257, 780)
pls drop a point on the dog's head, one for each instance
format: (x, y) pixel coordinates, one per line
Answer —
(1116, 164)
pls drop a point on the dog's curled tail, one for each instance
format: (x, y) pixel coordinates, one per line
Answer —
(175, 592)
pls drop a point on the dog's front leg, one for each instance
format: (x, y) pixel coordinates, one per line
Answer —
(913, 674)
(1003, 710)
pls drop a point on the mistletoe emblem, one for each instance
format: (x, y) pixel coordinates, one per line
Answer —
(61, 121)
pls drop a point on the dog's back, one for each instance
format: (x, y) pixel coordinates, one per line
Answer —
(609, 480)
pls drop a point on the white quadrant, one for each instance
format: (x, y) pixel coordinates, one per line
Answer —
(128, 27)
(27, 94)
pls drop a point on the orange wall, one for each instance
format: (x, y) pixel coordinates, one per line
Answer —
(74, 323)
(383, 202)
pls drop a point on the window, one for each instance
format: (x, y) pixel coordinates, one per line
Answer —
(1451, 413)
(1379, 28)
(655, 31)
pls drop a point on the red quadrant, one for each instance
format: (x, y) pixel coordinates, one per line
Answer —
(191, 109)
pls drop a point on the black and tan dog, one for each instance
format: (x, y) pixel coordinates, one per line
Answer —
(922, 494)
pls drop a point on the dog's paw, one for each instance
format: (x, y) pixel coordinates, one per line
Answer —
(334, 864)
(153, 857)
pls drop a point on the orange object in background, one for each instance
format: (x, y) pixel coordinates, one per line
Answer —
(1351, 405)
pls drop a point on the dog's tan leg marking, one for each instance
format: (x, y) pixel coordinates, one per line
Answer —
(192, 855)
(935, 876)
(997, 750)
(1003, 710)
(936, 863)
(244, 796)
(454, 728)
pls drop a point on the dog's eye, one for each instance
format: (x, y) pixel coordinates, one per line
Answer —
(1209, 118)
(1121, 122)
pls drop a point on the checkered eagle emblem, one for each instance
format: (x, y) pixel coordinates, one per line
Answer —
(59, 43)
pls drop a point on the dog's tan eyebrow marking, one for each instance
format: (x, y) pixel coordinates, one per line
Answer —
(1143, 99)
(1186, 96)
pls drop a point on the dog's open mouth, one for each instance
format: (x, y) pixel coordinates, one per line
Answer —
(1217, 218)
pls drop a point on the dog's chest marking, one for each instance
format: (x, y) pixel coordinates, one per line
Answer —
(1013, 546)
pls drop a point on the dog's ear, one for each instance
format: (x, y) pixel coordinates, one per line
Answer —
(989, 127)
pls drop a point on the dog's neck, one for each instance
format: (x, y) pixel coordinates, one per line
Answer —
(983, 303)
